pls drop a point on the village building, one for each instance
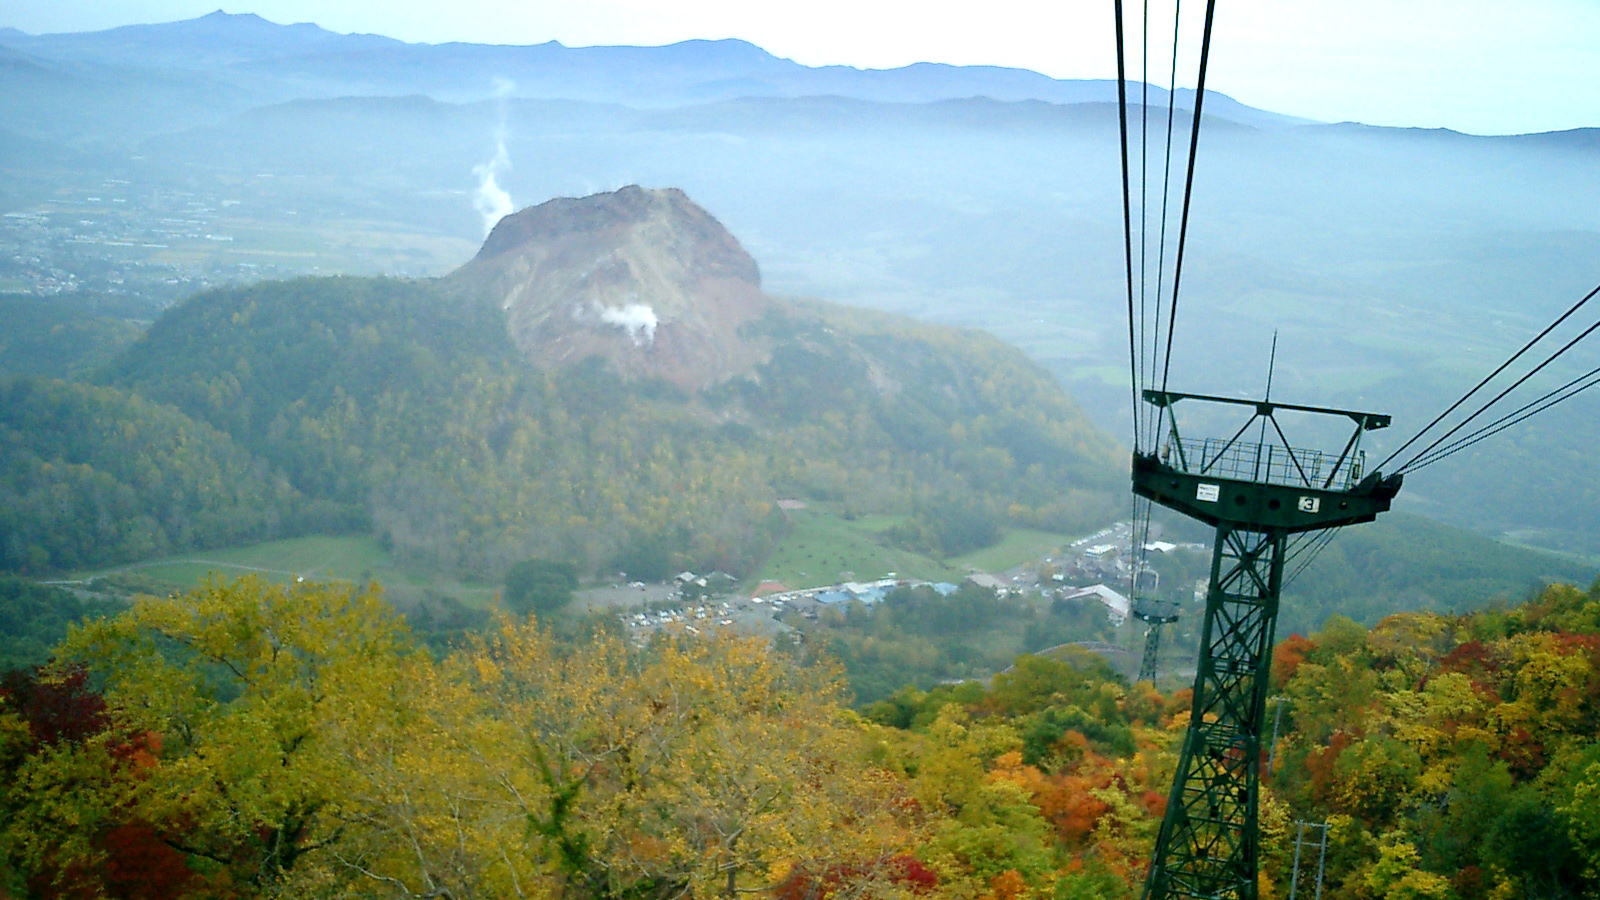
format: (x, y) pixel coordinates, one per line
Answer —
(1117, 606)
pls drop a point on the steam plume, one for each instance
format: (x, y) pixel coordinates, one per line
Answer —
(635, 318)
(490, 199)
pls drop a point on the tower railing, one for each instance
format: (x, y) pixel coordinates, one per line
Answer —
(1267, 463)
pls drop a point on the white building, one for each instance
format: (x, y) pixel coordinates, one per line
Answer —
(1117, 606)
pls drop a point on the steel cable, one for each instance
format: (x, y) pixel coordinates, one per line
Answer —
(1488, 378)
(1517, 416)
(1188, 185)
(1498, 397)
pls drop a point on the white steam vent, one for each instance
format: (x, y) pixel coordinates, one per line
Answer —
(637, 319)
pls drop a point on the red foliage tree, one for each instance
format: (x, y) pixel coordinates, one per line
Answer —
(136, 863)
(839, 880)
(56, 709)
(1288, 656)
(1477, 661)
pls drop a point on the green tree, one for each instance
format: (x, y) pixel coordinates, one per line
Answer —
(539, 586)
(34, 617)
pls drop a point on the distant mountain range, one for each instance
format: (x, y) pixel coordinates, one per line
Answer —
(250, 61)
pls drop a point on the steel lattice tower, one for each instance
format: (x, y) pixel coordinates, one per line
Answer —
(1256, 495)
(1153, 616)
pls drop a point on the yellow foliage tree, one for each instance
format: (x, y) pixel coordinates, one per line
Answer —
(236, 685)
(704, 767)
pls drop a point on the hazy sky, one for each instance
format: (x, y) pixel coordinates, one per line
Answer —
(1482, 66)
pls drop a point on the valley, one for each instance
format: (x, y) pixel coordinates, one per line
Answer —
(155, 239)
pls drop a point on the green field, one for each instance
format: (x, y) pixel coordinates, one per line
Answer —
(315, 558)
(825, 548)
(1015, 547)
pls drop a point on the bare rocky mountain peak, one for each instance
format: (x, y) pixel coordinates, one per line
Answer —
(645, 278)
(699, 239)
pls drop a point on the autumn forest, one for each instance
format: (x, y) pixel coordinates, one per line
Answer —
(254, 740)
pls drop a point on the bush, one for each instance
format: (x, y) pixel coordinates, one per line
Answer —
(540, 586)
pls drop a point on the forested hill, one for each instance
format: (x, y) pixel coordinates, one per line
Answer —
(92, 475)
(457, 417)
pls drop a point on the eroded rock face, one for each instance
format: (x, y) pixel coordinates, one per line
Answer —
(644, 278)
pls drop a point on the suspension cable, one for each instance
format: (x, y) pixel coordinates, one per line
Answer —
(1127, 216)
(1144, 206)
(1490, 377)
(1497, 398)
(1521, 414)
(1298, 543)
(1166, 201)
(1140, 518)
(1145, 336)
(1188, 186)
(1318, 543)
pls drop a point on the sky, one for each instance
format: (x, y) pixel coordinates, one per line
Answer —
(1479, 66)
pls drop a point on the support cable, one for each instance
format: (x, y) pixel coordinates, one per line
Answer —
(1299, 544)
(1166, 204)
(1188, 186)
(1498, 397)
(1144, 201)
(1523, 413)
(1315, 546)
(1135, 346)
(1127, 215)
(1490, 377)
(1145, 337)
(1138, 537)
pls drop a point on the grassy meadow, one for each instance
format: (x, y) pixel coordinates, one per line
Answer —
(351, 558)
(823, 547)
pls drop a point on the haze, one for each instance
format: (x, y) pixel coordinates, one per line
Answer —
(1397, 264)
(1478, 66)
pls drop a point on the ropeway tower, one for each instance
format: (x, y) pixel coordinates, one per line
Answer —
(1258, 495)
(1271, 502)
(1155, 616)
